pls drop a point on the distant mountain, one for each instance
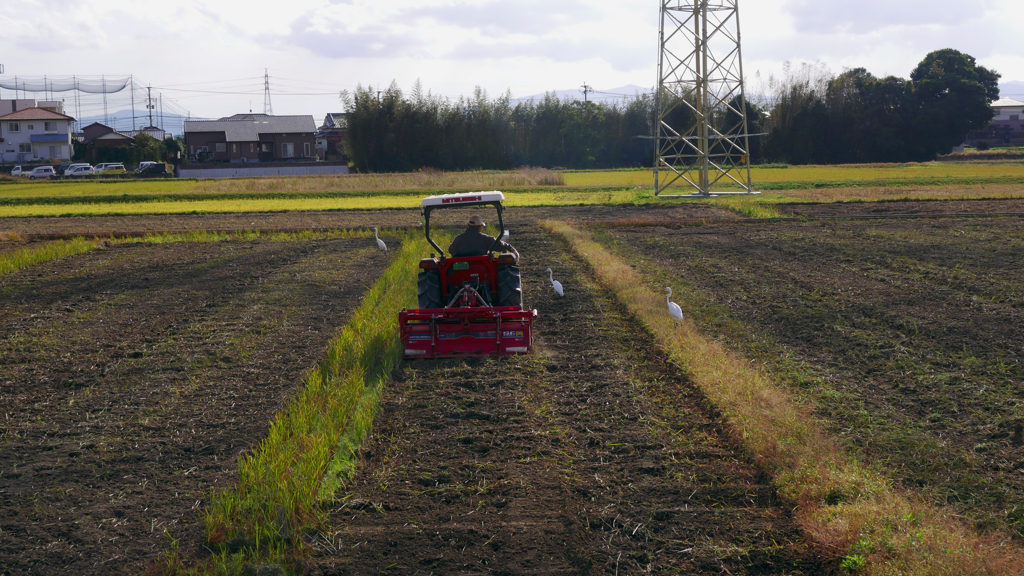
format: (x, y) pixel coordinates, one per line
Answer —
(1013, 90)
(610, 95)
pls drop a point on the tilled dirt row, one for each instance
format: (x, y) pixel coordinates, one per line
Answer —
(902, 208)
(132, 377)
(908, 335)
(592, 456)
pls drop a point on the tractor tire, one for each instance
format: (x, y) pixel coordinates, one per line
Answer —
(429, 288)
(510, 287)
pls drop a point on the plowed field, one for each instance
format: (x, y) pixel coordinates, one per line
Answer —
(907, 333)
(591, 456)
(133, 377)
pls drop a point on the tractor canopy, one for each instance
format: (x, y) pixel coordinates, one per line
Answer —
(492, 198)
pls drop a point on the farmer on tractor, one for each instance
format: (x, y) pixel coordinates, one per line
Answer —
(469, 304)
(473, 242)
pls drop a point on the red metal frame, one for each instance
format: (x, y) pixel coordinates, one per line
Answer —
(454, 332)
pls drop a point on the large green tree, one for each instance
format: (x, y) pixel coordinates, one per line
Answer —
(856, 117)
(954, 95)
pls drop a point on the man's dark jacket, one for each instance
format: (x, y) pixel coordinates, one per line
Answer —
(473, 243)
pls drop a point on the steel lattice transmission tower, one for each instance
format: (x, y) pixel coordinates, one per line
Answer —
(267, 108)
(701, 136)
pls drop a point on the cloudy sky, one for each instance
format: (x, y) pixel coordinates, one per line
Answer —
(209, 56)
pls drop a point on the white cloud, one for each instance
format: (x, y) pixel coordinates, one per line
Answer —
(528, 46)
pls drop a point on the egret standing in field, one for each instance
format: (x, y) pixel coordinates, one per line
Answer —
(380, 243)
(555, 283)
(673, 308)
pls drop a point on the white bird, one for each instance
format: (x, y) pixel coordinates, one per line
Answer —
(673, 308)
(380, 243)
(555, 283)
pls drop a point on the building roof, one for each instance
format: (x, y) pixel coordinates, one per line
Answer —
(1004, 102)
(113, 135)
(248, 127)
(35, 114)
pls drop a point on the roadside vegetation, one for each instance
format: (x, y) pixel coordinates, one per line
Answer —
(849, 507)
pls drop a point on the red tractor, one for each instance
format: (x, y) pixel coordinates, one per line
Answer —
(468, 305)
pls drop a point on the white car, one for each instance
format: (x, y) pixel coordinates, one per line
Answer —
(42, 172)
(17, 171)
(110, 167)
(80, 171)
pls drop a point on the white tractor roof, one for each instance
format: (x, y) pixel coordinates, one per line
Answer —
(456, 199)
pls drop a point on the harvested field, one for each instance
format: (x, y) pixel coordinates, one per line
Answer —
(107, 225)
(591, 456)
(906, 333)
(902, 208)
(133, 377)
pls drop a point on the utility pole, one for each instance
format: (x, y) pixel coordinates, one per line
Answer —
(149, 103)
(701, 135)
(267, 108)
(106, 117)
(585, 90)
(131, 80)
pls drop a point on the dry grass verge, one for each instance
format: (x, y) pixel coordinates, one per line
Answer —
(848, 509)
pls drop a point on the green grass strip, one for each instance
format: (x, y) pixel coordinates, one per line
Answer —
(18, 259)
(310, 450)
(849, 510)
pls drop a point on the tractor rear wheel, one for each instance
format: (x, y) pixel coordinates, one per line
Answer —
(510, 287)
(429, 287)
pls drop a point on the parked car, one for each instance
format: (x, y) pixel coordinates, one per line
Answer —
(75, 171)
(152, 168)
(17, 171)
(110, 167)
(66, 168)
(42, 172)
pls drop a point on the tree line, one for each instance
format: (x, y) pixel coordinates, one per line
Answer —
(808, 116)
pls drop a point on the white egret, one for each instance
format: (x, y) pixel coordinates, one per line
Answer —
(554, 283)
(673, 308)
(380, 243)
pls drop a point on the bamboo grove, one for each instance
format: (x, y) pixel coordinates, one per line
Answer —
(809, 116)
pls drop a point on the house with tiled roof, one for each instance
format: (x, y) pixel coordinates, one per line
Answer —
(34, 134)
(251, 138)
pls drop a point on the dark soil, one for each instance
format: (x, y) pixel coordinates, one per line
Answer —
(591, 456)
(903, 207)
(515, 217)
(132, 377)
(908, 333)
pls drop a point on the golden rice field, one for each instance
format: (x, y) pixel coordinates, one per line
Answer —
(524, 187)
(383, 201)
(931, 170)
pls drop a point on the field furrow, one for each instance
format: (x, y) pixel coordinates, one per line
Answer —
(133, 377)
(906, 334)
(590, 456)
